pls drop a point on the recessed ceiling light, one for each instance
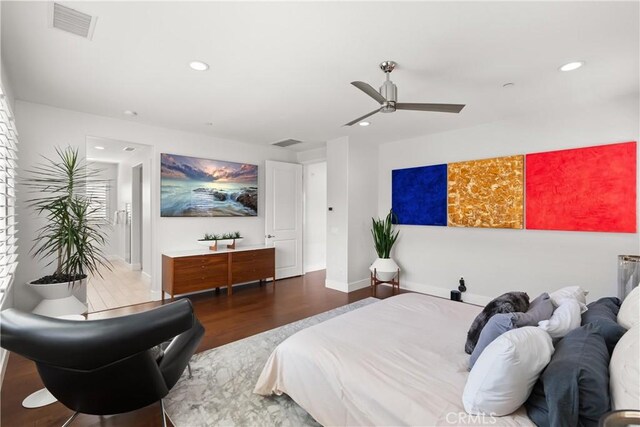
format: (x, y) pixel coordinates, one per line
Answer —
(129, 113)
(199, 65)
(364, 123)
(572, 66)
(209, 123)
(97, 147)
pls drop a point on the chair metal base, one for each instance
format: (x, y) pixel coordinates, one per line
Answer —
(73, 417)
(164, 417)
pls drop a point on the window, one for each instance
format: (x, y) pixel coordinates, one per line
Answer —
(98, 192)
(8, 157)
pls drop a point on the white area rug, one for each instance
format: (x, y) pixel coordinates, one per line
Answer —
(221, 390)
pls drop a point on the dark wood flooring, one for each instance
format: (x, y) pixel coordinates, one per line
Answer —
(250, 310)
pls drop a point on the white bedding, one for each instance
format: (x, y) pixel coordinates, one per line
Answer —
(400, 361)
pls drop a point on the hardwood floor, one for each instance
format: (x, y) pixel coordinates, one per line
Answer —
(250, 310)
(117, 287)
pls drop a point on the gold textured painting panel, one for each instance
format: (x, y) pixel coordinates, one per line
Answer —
(486, 193)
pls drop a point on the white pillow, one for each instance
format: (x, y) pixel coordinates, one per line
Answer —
(506, 371)
(629, 314)
(564, 319)
(572, 292)
(624, 371)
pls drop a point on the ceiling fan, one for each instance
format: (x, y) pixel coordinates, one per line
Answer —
(388, 95)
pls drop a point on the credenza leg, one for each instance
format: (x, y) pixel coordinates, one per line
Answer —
(229, 290)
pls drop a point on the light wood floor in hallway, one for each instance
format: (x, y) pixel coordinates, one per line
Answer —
(116, 288)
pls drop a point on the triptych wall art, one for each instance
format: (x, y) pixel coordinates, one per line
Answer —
(583, 189)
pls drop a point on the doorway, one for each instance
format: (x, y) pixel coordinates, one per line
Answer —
(125, 166)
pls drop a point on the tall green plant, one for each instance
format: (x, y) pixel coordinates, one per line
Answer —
(73, 237)
(383, 234)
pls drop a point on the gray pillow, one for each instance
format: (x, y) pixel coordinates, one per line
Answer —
(496, 326)
(604, 314)
(540, 309)
(573, 390)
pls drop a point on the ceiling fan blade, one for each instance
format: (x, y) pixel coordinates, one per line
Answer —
(366, 88)
(353, 122)
(441, 108)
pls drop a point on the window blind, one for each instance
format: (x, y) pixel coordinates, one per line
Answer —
(98, 192)
(8, 224)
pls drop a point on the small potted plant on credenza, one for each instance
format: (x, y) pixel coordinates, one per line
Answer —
(214, 241)
(72, 236)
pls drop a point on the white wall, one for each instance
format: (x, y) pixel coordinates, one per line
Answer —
(109, 172)
(42, 128)
(494, 261)
(312, 156)
(6, 85)
(363, 202)
(315, 216)
(337, 218)
(352, 193)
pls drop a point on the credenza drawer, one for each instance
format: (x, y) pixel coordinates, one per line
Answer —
(252, 265)
(202, 262)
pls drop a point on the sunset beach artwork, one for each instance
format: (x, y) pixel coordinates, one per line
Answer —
(195, 187)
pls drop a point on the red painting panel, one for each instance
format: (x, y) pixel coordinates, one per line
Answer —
(584, 189)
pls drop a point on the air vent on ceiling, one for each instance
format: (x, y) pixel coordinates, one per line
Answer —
(287, 142)
(128, 149)
(72, 21)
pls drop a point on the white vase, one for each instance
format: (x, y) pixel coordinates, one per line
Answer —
(385, 269)
(58, 299)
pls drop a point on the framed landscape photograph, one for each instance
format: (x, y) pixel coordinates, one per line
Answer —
(195, 187)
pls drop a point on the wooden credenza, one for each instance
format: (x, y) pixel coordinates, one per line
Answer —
(195, 271)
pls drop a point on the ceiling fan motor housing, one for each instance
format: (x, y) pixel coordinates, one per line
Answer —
(390, 93)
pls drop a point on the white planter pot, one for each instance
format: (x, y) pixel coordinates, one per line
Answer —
(385, 269)
(58, 299)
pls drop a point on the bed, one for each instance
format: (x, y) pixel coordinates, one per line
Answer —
(399, 361)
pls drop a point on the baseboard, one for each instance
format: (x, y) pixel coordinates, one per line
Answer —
(335, 285)
(136, 266)
(443, 292)
(359, 284)
(114, 258)
(316, 267)
(146, 275)
(346, 287)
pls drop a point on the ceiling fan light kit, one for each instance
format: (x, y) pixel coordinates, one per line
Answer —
(387, 97)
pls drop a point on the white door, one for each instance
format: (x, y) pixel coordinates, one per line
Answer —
(283, 216)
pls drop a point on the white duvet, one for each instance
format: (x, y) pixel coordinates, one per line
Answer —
(400, 361)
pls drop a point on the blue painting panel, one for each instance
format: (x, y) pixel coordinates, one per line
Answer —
(419, 195)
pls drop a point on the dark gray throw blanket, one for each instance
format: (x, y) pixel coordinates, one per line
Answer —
(511, 302)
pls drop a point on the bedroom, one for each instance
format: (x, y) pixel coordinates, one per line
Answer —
(283, 71)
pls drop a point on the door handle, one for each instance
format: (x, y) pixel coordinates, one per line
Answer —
(269, 236)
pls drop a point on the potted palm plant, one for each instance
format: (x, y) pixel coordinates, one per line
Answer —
(72, 236)
(384, 237)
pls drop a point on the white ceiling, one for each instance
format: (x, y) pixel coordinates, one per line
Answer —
(282, 70)
(113, 150)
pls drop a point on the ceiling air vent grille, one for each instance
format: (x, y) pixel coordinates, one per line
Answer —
(287, 142)
(128, 149)
(72, 21)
